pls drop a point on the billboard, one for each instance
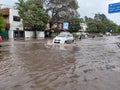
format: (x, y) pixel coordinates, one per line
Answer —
(114, 8)
(65, 25)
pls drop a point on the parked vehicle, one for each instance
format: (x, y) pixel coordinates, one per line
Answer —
(64, 37)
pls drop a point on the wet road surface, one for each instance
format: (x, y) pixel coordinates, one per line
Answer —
(88, 64)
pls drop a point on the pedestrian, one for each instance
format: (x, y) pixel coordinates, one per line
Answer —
(80, 37)
(0, 40)
(93, 35)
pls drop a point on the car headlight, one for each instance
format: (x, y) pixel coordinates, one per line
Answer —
(62, 40)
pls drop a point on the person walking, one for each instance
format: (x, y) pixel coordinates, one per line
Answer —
(80, 37)
(93, 35)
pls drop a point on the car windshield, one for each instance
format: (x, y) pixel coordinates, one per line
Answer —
(62, 35)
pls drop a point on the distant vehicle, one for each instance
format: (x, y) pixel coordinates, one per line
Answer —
(64, 37)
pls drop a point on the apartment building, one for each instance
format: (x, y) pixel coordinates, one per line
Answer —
(14, 27)
(13, 23)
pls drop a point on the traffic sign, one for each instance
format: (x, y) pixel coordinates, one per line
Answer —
(114, 8)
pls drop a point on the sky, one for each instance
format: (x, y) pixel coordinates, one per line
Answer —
(91, 7)
(87, 8)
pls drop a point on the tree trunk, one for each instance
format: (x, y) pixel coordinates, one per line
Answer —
(35, 32)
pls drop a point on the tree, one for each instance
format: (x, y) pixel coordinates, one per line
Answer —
(110, 25)
(87, 19)
(118, 29)
(95, 26)
(100, 17)
(100, 24)
(92, 27)
(32, 14)
(106, 22)
(1, 23)
(61, 10)
(101, 28)
(21, 6)
(74, 25)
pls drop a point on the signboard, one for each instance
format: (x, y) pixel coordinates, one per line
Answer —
(65, 25)
(114, 8)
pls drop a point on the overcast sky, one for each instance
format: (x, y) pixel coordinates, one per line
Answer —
(87, 8)
(90, 7)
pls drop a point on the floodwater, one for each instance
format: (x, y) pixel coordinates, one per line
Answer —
(88, 64)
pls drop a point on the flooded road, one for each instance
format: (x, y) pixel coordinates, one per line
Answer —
(88, 64)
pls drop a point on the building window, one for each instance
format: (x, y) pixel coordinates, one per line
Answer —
(16, 18)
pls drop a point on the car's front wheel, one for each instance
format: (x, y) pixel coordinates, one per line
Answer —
(68, 42)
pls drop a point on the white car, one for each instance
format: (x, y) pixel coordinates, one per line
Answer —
(64, 37)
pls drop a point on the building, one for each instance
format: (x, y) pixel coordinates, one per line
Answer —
(84, 26)
(13, 23)
(14, 27)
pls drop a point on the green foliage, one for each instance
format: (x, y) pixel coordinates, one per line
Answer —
(110, 25)
(74, 25)
(100, 17)
(1, 23)
(101, 28)
(32, 14)
(75, 35)
(100, 24)
(61, 10)
(92, 27)
(95, 26)
(118, 29)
